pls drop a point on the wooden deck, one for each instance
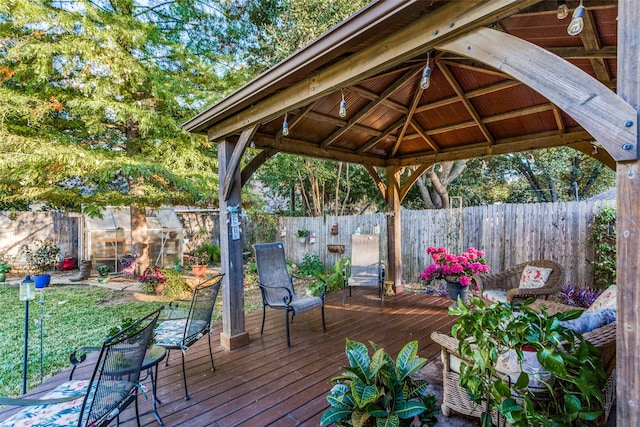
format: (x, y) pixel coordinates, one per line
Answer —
(266, 383)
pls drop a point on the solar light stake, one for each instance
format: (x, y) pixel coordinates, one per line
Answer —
(27, 293)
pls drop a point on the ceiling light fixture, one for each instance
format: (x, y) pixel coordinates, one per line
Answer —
(563, 10)
(577, 21)
(285, 126)
(426, 74)
(343, 106)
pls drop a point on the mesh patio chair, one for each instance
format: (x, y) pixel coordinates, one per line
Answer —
(113, 385)
(365, 267)
(276, 286)
(192, 323)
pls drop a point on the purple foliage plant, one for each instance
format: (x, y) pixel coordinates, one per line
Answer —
(578, 296)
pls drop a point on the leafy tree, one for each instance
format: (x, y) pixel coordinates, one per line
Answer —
(92, 95)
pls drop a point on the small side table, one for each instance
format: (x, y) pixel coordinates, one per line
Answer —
(150, 363)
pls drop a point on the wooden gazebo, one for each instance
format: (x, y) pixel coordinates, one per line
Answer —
(505, 77)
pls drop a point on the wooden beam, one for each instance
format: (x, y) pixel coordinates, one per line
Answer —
(413, 178)
(425, 136)
(404, 44)
(512, 145)
(367, 109)
(303, 148)
(471, 94)
(414, 104)
(599, 154)
(574, 52)
(376, 178)
(234, 161)
(255, 163)
(394, 228)
(600, 111)
(340, 123)
(628, 227)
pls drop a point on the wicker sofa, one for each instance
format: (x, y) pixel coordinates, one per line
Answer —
(508, 281)
(456, 398)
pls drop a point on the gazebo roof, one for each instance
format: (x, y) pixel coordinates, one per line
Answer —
(471, 109)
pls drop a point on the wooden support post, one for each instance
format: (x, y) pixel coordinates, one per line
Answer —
(394, 229)
(628, 227)
(231, 243)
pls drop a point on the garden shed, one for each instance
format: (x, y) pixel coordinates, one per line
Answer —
(107, 239)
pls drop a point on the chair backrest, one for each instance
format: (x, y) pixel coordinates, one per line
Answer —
(201, 309)
(272, 272)
(365, 260)
(116, 373)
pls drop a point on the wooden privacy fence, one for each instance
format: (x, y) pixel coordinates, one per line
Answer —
(509, 234)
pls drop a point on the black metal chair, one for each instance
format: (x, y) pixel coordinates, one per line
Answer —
(191, 324)
(276, 286)
(365, 267)
(113, 385)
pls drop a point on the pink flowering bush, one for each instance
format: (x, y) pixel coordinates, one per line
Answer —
(152, 280)
(456, 268)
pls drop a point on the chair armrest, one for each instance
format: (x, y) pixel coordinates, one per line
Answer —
(178, 309)
(79, 356)
(264, 288)
(525, 293)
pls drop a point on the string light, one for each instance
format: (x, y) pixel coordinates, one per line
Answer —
(426, 74)
(343, 106)
(285, 126)
(577, 21)
(563, 10)
(594, 150)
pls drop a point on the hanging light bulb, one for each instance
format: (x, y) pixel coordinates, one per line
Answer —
(343, 106)
(577, 21)
(285, 126)
(426, 74)
(563, 10)
(594, 150)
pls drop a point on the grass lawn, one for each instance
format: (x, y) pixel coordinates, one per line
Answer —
(73, 316)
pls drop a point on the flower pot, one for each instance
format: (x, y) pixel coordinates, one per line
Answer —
(302, 240)
(104, 279)
(455, 290)
(42, 280)
(510, 368)
(198, 270)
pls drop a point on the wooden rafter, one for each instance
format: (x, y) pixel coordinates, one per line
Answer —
(591, 41)
(414, 104)
(341, 123)
(465, 101)
(425, 136)
(388, 131)
(470, 94)
(366, 93)
(255, 163)
(367, 109)
(600, 111)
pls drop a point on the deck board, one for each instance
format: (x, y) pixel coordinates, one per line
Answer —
(267, 384)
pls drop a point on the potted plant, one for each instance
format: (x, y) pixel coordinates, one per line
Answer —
(302, 235)
(198, 263)
(42, 256)
(103, 273)
(152, 280)
(456, 270)
(4, 269)
(563, 389)
(377, 391)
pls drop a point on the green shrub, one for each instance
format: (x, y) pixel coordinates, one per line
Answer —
(175, 286)
(603, 237)
(311, 266)
(212, 250)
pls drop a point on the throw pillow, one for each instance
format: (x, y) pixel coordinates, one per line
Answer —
(534, 277)
(590, 320)
(607, 299)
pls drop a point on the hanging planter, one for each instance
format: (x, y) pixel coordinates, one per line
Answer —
(302, 235)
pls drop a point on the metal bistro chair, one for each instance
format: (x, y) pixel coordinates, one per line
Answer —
(365, 267)
(276, 286)
(180, 333)
(113, 385)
